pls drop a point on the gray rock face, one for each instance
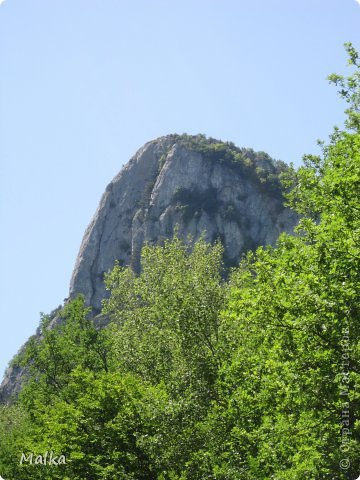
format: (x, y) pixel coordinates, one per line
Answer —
(181, 183)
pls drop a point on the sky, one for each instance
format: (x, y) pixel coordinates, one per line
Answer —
(84, 84)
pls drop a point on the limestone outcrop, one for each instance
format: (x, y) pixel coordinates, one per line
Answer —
(196, 185)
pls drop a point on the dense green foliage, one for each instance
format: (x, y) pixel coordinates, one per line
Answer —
(256, 165)
(195, 377)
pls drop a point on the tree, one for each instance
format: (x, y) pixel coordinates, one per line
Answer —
(73, 342)
(14, 430)
(167, 322)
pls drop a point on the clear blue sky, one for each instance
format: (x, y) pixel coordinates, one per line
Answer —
(84, 84)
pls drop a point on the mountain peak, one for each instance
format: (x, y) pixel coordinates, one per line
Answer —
(197, 185)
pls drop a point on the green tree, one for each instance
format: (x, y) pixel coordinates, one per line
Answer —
(74, 341)
(14, 430)
(97, 427)
(166, 324)
(349, 89)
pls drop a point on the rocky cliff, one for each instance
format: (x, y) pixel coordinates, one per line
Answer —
(199, 186)
(189, 184)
